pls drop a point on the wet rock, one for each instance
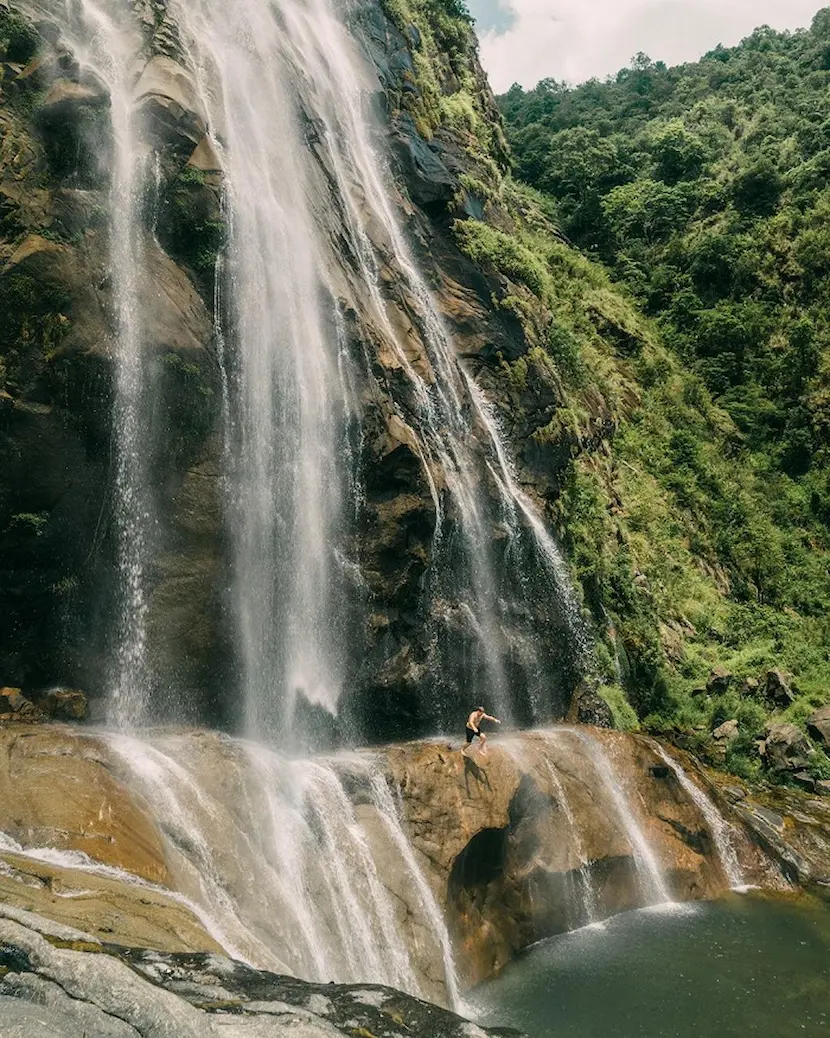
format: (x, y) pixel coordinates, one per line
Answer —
(818, 726)
(14, 706)
(204, 157)
(64, 94)
(823, 787)
(64, 704)
(777, 688)
(792, 825)
(726, 732)
(719, 680)
(59, 789)
(588, 707)
(107, 907)
(167, 96)
(786, 748)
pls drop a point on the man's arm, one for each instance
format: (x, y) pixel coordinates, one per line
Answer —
(487, 717)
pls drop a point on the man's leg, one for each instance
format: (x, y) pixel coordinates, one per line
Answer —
(483, 740)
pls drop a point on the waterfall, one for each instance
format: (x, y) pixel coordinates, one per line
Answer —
(267, 75)
(104, 40)
(312, 215)
(718, 826)
(289, 872)
(652, 880)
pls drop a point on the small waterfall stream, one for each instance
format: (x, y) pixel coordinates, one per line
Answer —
(650, 874)
(718, 826)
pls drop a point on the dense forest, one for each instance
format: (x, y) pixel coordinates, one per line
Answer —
(703, 191)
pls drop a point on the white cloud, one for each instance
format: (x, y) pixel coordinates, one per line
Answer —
(574, 40)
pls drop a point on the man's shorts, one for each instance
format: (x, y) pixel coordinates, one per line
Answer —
(472, 735)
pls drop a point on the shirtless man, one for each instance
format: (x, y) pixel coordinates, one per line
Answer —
(474, 731)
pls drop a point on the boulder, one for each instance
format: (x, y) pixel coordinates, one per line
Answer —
(823, 787)
(750, 687)
(64, 704)
(786, 748)
(719, 680)
(777, 688)
(804, 780)
(726, 732)
(818, 726)
(14, 706)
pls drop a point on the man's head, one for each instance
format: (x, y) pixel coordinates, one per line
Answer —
(479, 709)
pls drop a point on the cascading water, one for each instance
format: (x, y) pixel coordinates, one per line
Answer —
(104, 40)
(650, 874)
(312, 230)
(273, 852)
(286, 85)
(718, 826)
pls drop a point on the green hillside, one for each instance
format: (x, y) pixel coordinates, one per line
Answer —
(703, 531)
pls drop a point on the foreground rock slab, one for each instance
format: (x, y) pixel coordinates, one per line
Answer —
(58, 982)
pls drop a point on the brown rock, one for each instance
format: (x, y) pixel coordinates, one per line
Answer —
(719, 680)
(787, 748)
(14, 706)
(58, 789)
(64, 704)
(64, 93)
(108, 908)
(726, 732)
(823, 787)
(777, 688)
(818, 726)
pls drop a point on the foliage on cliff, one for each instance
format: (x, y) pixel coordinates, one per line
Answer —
(689, 360)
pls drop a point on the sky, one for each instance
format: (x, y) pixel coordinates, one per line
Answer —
(523, 41)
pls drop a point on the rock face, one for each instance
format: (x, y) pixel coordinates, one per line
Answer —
(59, 982)
(535, 843)
(792, 827)
(59, 586)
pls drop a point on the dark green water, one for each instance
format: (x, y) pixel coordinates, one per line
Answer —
(744, 966)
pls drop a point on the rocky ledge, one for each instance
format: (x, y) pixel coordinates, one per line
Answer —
(147, 843)
(59, 982)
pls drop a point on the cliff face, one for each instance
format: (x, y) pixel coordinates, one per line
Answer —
(58, 583)
(408, 632)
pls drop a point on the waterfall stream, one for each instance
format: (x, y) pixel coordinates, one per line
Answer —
(651, 876)
(718, 826)
(286, 864)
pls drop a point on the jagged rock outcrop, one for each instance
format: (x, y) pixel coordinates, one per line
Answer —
(59, 982)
